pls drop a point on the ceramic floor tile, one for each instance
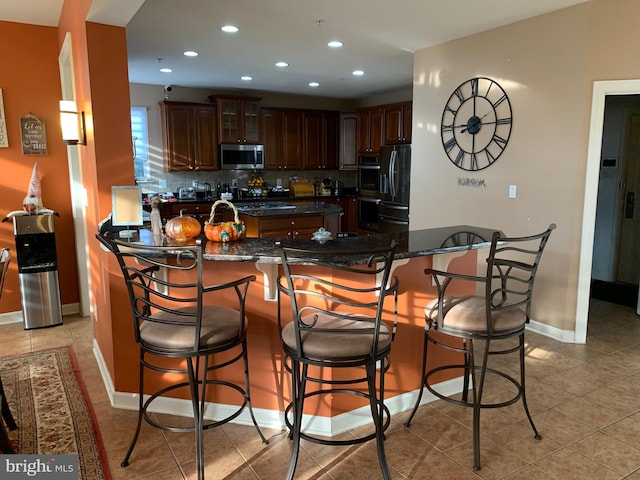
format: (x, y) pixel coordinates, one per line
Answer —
(570, 465)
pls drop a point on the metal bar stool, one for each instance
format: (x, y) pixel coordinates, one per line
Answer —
(335, 322)
(5, 443)
(493, 318)
(171, 320)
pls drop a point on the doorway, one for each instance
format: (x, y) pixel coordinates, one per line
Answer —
(601, 89)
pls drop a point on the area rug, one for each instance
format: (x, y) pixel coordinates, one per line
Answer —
(50, 405)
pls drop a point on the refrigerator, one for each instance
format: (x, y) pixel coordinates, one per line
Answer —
(395, 180)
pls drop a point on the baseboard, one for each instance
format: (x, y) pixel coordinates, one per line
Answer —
(565, 336)
(16, 317)
(314, 425)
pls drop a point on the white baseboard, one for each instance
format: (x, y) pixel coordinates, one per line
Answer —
(314, 425)
(16, 317)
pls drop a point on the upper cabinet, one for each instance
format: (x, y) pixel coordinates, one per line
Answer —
(271, 129)
(189, 136)
(238, 119)
(370, 130)
(348, 157)
(320, 140)
(397, 123)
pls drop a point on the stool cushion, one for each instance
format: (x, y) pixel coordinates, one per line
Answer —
(468, 314)
(220, 326)
(335, 345)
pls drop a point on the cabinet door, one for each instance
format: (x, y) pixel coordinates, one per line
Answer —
(331, 127)
(377, 129)
(292, 131)
(228, 120)
(176, 133)
(313, 140)
(348, 147)
(397, 123)
(205, 144)
(271, 129)
(407, 121)
(370, 133)
(250, 122)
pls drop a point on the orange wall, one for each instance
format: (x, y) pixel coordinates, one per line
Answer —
(30, 83)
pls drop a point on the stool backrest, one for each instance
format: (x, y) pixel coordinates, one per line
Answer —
(512, 265)
(344, 285)
(165, 284)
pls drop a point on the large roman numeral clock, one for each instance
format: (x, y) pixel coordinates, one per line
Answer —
(476, 124)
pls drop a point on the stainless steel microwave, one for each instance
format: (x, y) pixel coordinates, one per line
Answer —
(241, 157)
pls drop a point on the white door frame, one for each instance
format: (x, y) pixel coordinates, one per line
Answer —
(600, 90)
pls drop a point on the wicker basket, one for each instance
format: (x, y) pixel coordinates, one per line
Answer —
(224, 231)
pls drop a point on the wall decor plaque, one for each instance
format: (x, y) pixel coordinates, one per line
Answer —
(33, 133)
(4, 141)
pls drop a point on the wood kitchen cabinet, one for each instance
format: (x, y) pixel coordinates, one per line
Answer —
(370, 130)
(189, 136)
(292, 135)
(238, 119)
(320, 140)
(271, 129)
(200, 210)
(348, 156)
(397, 123)
(291, 226)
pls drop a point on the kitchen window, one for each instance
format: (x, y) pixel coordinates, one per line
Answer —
(140, 138)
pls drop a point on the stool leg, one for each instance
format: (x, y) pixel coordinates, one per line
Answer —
(536, 435)
(423, 372)
(297, 391)
(377, 411)
(125, 461)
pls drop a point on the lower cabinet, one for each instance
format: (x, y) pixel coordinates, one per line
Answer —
(201, 211)
(297, 226)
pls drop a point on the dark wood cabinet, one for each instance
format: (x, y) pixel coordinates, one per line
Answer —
(292, 135)
(295, 226)
(189, 136)
(320, 140)
(397, 123)
(271, 128)
(370, 130)
(348, 157)
(238, 119)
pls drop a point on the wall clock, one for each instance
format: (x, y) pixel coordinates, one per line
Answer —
(476, 124)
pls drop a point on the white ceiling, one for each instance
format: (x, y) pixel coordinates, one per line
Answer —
(379, 37)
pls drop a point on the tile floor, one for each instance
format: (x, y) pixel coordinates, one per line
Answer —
(585, 400)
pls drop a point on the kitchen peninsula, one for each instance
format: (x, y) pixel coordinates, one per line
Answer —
(448, 248)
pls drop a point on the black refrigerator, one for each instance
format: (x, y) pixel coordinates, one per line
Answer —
(395, 180)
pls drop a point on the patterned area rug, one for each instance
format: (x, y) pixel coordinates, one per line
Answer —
(49, 403)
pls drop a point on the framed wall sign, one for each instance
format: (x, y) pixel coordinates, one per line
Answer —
(33, 134)
(4, 141)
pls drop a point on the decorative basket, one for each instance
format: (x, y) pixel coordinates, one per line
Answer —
(224, 231)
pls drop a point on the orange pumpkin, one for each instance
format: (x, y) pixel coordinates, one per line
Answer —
(184, 227)
(224, 231)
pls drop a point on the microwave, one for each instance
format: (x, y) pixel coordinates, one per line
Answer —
(241, 157)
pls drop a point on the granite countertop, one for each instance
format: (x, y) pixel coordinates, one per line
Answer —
(411, 244)
(297, 208)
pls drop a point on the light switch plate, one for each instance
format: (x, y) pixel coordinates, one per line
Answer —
(512, 191)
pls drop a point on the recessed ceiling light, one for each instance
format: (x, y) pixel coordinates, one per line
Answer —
(314, 84)
(190, 53)
(246, 78)
(357, 73)
(282, 64)
(166, 70)
(229, 29)
(335, 44)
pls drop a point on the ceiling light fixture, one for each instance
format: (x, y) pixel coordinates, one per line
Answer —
(246, 78)
(229, 29)
(282, 64)
(335, 44)
(357, 73)
(314, 84)
(190, 53)
(166, 70)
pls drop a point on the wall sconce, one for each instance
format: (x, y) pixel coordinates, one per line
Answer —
(72, 123)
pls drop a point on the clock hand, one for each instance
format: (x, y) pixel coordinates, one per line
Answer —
(476, 121)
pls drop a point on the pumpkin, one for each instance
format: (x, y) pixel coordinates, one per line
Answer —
(224, 231)
(184, 227)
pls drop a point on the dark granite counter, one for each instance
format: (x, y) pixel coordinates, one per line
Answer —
(416, 243)
(258, 209)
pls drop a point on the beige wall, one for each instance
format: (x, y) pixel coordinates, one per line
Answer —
(547, 65)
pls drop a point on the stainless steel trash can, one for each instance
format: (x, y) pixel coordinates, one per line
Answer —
(37, 270)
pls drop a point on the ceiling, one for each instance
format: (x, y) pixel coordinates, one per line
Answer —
(379, 36)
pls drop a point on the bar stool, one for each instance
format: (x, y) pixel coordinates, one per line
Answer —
(171, 320)
(5, 443)
(497, 316)
(336, 324)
